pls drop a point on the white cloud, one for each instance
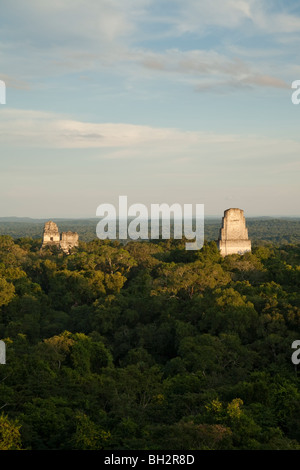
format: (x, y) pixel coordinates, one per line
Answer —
(198, 16)
(50, 39)
(146, 163)
(41, 39)
(49, 130)
(34, 129)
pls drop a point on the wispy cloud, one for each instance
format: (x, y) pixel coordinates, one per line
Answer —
(198, 16)
(71, 22)
(35, 129)
(13, 82)
(51, 39)
(201, 64)
(30, 128)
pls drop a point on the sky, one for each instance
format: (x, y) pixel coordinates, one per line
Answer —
(164, 101)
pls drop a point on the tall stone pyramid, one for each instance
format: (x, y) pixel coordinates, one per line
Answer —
(234, 234)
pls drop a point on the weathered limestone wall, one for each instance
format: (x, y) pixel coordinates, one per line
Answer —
(51, 234)
(68, 241)
(234, 234)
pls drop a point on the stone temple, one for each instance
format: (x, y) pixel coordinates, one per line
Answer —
(233, 236)
(66, 241)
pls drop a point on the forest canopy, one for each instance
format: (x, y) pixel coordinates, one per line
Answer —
(148, 346)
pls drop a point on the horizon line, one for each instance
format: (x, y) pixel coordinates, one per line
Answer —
(132, 217)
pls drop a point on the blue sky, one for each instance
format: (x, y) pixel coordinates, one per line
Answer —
(160, 100)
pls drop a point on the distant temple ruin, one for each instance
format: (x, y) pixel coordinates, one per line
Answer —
(66, 241)
(234, 234)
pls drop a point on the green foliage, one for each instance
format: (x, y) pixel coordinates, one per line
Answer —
(7, 292)
(88, 435)
(147, 346)
(10, 438)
